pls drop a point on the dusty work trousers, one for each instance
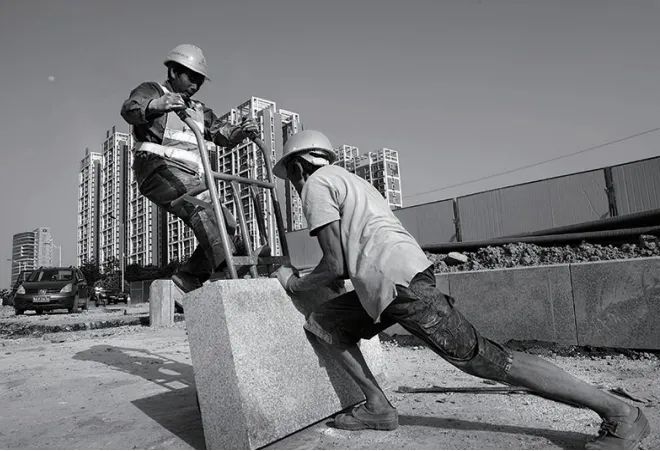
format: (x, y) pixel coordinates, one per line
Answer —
(168, 182)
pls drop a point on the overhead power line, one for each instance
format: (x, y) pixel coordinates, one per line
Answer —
(527, 166)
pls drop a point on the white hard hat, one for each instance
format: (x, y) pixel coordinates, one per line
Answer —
(190, 56)
(313, 146)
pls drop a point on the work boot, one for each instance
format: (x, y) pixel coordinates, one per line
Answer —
(620, 434)
(361, 418)
(186, 281)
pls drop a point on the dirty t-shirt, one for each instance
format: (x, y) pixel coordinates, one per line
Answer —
(379, 253)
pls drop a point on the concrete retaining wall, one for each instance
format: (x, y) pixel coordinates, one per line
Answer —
(611, 303)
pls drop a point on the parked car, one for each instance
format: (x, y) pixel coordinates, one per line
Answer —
(49, 288)
(119, 296)
(104, 297)
(22, 277)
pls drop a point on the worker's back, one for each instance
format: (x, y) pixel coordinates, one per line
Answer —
(379, 252)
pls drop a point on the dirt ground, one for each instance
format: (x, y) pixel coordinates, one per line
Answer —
(132, 387)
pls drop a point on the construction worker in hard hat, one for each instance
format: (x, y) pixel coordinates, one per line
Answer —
(166, 159)
(363, 241)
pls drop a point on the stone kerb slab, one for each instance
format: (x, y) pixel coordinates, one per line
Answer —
(259, 376)
(162, 296)
(519, 303)
(617, 303)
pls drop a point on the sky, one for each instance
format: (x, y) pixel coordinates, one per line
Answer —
(463, 89)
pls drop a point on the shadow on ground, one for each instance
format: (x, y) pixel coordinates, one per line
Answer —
(563, 439)
(176, 410)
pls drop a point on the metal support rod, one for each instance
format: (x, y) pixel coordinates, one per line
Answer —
(260, 215)
(273, 192)
(215, 201)
(243, 180)
(224, 177)
(247, 241)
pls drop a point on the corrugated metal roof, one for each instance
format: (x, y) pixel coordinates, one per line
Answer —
(637, 186)
(429, 223)
(533, 206)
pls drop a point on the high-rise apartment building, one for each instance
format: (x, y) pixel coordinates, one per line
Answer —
(113, 217)
(31, 250)
(246, 160)
(89, 186)
(347, 156)
(294, 217)
(113, 195)
(380, 168)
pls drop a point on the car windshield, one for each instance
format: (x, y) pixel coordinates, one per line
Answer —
(51, 275)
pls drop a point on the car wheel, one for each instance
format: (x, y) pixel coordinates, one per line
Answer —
(39, 311)
(19, 311)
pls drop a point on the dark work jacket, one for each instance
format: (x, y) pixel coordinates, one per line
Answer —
(151, 128)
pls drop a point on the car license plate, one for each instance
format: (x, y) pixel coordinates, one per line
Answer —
(41, 298)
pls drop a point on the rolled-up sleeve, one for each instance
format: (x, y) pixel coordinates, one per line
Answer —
(221, 133)
(134, 109)
(320, 203)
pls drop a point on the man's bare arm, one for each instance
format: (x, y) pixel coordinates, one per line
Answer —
(331, 267)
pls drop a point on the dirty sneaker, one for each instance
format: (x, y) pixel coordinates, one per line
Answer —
(362, 418)
(620, 434)
(185, 281)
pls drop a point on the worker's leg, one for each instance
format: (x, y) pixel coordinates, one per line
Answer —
(352, 360)
(168, 183)
(430, 315)
(339, 324)
(451, 335)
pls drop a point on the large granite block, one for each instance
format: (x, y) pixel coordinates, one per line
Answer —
(617, 303)
(259, 376)
(518, 303)
(162, 296)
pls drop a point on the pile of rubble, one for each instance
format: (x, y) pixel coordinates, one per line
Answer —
(522, 254)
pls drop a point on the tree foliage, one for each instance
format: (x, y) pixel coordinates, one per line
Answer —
(91, 271)
(136, 272)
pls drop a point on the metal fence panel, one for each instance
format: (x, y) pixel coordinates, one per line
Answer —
(637, 186)
(140, 291)
(533, 206)
(430, 223)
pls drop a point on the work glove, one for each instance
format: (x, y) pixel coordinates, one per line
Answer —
(284, 275)
(166, 103)
(249, 127)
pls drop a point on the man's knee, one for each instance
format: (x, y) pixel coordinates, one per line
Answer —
(455, 339)
(435, 320)
(490, 360)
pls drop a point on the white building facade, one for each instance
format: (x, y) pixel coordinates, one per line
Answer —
(113, 195)
(380, 168)
(89, 186)
(31, 250)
